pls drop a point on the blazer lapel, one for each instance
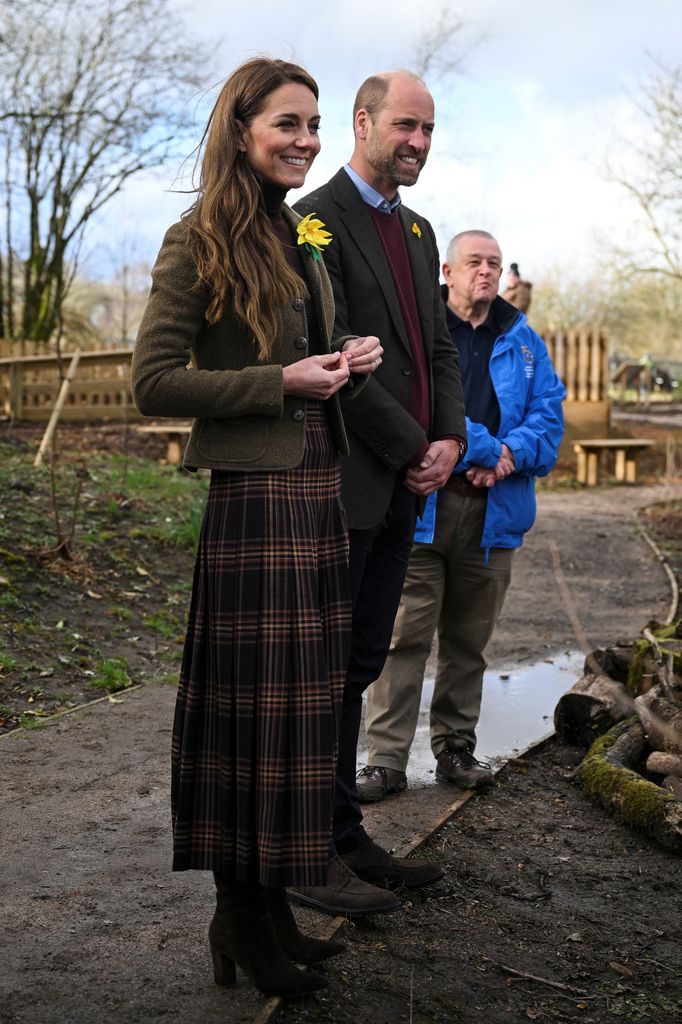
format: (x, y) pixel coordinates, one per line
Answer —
(323, 303)
(423, 285)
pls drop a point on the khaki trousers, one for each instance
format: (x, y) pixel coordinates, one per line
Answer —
(450, 586)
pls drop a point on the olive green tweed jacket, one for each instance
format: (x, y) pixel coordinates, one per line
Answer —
(184, 367)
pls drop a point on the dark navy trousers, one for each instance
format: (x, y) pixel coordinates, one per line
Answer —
(378, 564)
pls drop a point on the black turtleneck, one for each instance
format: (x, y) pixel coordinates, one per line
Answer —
(273, 197)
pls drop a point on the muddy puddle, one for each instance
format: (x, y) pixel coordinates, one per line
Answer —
(517, 711)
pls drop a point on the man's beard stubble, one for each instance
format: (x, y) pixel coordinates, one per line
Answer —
(387, 165)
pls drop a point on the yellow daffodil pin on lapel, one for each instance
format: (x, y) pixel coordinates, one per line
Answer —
(416, 230)
(312, 236)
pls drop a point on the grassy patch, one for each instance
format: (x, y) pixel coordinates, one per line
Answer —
(7, 662)
(112, 675)
(113, 607)
(118, 612)
(164, 624)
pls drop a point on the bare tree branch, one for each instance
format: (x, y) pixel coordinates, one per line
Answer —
(437, 53)
(656, 185)
(92, 93)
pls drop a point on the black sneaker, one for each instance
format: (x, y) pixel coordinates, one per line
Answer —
(457, 764)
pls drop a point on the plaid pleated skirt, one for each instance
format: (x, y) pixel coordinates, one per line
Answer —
(256, 721)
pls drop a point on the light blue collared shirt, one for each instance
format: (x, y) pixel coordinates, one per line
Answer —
(370, 195)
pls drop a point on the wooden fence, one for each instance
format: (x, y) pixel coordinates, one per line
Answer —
(581, 359)
(29, 384)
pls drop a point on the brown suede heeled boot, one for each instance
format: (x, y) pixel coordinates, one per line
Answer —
(241, 933)
(303, 948)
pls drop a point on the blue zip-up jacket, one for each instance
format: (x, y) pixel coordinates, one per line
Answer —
(529, 394)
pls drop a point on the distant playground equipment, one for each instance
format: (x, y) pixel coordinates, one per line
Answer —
(640, 379)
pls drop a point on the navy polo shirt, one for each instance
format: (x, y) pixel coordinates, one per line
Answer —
(475, 347)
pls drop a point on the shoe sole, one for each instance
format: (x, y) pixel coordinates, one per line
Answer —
(325, 908)
(393, 792)
(485, 784)
(380, 796)
(385, 883)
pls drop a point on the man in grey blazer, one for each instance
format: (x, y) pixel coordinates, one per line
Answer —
(406, 430)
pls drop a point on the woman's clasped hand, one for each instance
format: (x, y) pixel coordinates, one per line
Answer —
(322, 376)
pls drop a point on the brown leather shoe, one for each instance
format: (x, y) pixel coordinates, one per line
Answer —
(374, 864)
(345, 895)
(374, 782)
(457, 764)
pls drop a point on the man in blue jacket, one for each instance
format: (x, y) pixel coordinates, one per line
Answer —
(461, 561)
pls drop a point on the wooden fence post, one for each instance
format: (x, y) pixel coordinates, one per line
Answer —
(16, 392)
(61, 398)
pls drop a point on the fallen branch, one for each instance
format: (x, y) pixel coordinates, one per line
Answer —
(661, 720)
(56, 412)
(534, 977)
(590, 708)
(665, 672)
(660, 763)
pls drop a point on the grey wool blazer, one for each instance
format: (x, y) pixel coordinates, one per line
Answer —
(383, 435)
(182, 366)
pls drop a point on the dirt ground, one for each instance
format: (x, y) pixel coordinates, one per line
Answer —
(548, 911)
(96, 928)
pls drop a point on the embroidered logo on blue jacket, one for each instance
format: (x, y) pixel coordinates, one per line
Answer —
(529, 368)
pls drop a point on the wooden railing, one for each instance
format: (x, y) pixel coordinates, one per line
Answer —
(100, 390)
(581, 360)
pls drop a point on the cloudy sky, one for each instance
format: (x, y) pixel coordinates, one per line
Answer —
(546, 95)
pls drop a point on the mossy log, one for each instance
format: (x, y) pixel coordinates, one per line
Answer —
(608, 778)
(591, 708)
(661, 720)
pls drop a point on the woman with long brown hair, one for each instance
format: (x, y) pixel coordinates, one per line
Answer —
(237, 334)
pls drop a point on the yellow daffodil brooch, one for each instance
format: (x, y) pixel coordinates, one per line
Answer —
(312, 236)
(416, 230)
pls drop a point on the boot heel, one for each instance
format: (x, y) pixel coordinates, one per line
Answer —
(241, 933)
(224, 969)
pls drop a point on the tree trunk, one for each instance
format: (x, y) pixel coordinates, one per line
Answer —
(674, 785)
(607, 776)
(661, 720)
(611, 661)
(591, 708)
(659, 763)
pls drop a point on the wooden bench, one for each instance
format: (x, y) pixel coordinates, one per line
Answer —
(176, 435)
(626, 450)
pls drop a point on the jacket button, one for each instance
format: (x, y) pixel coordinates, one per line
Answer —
(298, 303)
(406, 372)
(301, 343)
(298, 415)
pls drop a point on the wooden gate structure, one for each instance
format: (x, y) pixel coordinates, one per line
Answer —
(581, 360)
